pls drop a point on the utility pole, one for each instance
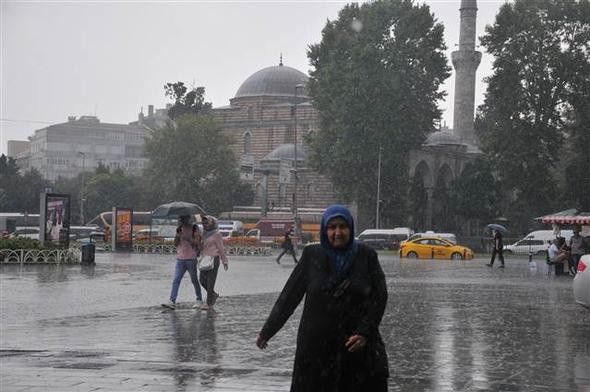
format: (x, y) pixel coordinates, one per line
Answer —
(378, 189)
(82, 191)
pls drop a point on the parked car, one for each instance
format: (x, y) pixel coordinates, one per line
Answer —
(445, 236)
(153, 234)
(384, 238)
(26, 232)
(582, 282)
(434, 248)
(85, 232)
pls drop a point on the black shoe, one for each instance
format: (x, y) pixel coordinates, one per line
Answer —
(489, 264)
(278, 262)
(502, 266)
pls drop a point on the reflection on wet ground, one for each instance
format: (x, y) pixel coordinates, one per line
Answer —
(449, 326)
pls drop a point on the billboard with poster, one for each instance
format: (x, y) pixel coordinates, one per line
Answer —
(55, 222)
(124, 228)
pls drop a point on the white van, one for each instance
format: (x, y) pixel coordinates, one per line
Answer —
(536, 242)
(385, 238)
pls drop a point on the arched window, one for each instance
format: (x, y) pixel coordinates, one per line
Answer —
(247, 143)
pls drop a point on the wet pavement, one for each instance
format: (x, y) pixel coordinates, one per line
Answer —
(449, 326)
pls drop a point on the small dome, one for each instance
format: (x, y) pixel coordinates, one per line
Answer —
(287, 152)
(278, 80)
(443, 138)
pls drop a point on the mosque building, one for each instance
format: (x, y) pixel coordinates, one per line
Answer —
(268, 120)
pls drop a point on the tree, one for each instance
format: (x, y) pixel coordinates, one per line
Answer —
(375, 82)
(535, 97)
(185, 100)
(19, 193)
(475, 195)
(190, 160)
(9, 179)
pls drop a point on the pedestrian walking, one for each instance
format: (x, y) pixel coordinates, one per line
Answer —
(288, 247)
(187, 241)
(498, 249)
(212, 246)
(577, 249)
(339, 347)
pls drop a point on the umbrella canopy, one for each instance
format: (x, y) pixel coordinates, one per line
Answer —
(497, 227)
(176, 208)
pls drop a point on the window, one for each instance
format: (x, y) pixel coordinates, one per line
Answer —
(247, 143)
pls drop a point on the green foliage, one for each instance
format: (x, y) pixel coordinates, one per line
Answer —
(475, 192)
(19, 193)
(375, 82)
(541, 77)
(186, 101)
(578, 165)
(22, 243)
(104, 190)
(190, 160)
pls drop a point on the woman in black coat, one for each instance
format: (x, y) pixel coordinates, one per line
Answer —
(339, 347)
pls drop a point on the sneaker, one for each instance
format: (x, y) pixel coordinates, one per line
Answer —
(214, 299)
(489, 265)
(198, 304)
(169, 305)
(204, 307)
(501, 266)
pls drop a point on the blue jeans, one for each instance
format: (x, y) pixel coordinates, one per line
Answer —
(181, 267)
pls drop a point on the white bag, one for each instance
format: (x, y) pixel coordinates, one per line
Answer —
(206, 263)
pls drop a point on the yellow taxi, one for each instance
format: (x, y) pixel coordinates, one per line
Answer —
(434, 248)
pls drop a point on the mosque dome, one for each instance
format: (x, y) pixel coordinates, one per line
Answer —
(443, 138)
(287, 152)
(277, 81)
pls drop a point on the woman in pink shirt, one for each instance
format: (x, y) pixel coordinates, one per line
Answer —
(212, 246)
(187, 240)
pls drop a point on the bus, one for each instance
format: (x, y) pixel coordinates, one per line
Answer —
(11, 221)
(141, 220)
(251, 218)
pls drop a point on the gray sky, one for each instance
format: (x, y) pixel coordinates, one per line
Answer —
(111, 58)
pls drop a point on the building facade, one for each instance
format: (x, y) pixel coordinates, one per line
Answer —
(66, 150)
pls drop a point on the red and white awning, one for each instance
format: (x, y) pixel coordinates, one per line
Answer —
(581, 219)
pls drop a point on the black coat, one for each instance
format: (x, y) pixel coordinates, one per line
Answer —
(322, 362)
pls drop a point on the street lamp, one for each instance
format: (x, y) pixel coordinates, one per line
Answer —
(378, 189)
(295, 206)
(83, 186)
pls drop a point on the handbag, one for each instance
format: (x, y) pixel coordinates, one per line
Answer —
(206, 263)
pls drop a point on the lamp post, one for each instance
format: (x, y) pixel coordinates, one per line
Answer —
(295, 206)
(83, 186)
(378, 189)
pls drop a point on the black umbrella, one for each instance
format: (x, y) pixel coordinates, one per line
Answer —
(176, 209)
(497, 227)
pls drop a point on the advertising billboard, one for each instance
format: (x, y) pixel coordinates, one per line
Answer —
(124, 228)
(56, 219)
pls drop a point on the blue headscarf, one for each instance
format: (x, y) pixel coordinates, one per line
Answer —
(341, 258)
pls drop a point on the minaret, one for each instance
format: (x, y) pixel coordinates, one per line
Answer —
(465, 61)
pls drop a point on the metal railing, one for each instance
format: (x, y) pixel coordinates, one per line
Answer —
(40, 256)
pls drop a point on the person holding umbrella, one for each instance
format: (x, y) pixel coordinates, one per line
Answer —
(187, 241)
(212, 246)
(498, 247)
